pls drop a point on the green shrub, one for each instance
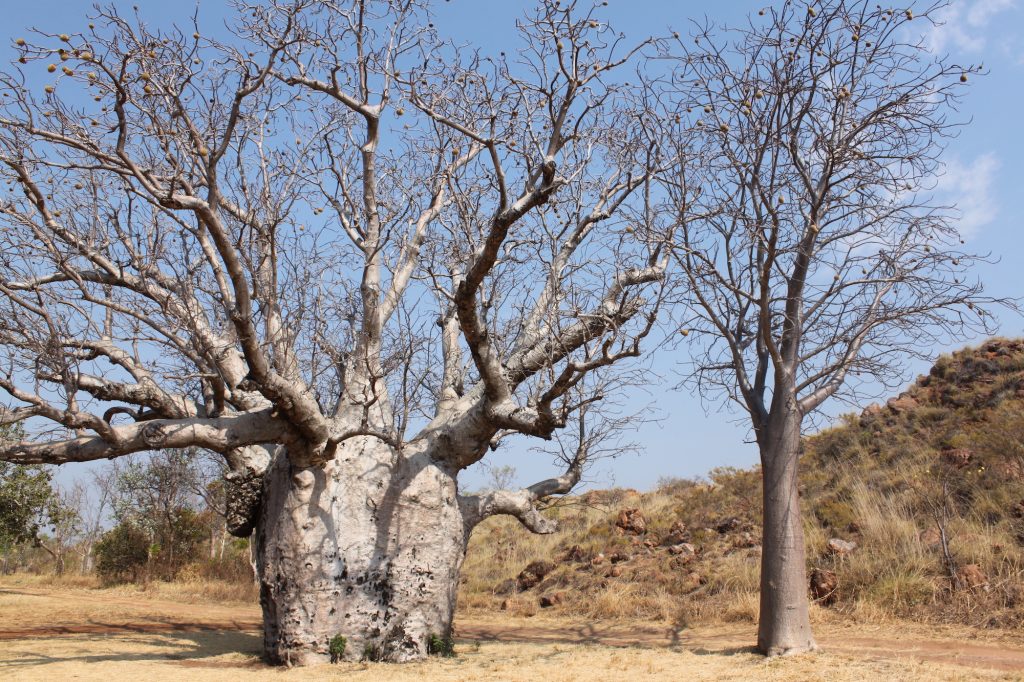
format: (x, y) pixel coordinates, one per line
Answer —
(178, 541)
(122, 554)
(337, 647)
(835, 513)
(441, 646)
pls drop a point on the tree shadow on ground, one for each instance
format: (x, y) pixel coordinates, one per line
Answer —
(725, 651)
(188, 648)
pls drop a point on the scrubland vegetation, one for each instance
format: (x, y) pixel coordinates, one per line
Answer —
(928, 487)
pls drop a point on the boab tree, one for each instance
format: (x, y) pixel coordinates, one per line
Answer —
(340, 252)
(812, 258)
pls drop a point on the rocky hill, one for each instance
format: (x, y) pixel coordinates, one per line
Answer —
(915, 507)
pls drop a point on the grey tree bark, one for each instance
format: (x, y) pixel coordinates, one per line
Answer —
(368, 547)
(784, 626)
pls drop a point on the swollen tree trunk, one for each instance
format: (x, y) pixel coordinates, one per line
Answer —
(367, 547)
(784, 624)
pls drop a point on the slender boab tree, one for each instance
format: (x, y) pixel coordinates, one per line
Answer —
(347, 255)
(813, 260)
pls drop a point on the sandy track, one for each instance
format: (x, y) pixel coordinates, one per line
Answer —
(34, 613)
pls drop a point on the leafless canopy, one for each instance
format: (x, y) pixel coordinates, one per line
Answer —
(811, 249)
(333, 225)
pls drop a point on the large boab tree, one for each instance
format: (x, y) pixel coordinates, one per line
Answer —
(345, 254)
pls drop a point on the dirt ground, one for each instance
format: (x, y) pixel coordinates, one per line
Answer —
(88, 634)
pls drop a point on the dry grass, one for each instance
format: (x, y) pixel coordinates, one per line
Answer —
(196, 590)
(876, 479)
(892, 574)
(214, 656)
(142, 636)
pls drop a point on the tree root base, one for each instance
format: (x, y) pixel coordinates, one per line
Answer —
(794, 650)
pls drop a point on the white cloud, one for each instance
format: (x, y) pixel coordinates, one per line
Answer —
(963, 25)
(970, 187)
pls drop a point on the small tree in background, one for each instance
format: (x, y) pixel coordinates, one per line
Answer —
(813, 260)
(65, 525)
(28, 502)
(156, 497)
(92, 504)
(122, 554)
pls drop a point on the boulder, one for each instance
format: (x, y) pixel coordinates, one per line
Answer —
(1012, 470)
(533, 574)
(823, 586)
(903, 403)
(870, 412)
(631, 521)
(744, 540)
(684, 551)
(575, 554)
(972, 577)
(840, 547)
(728, 525)
(676, 534)
(958, 457)
(598, 559)
(692, 582)
(553, 599)
(615, 572)
(930, 537)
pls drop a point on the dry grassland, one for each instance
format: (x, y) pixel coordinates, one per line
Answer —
(90, 634)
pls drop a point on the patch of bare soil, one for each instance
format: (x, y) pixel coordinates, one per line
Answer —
(890, 645)
(47, 633)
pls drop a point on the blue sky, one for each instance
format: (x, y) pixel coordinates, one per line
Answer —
(983, 178)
